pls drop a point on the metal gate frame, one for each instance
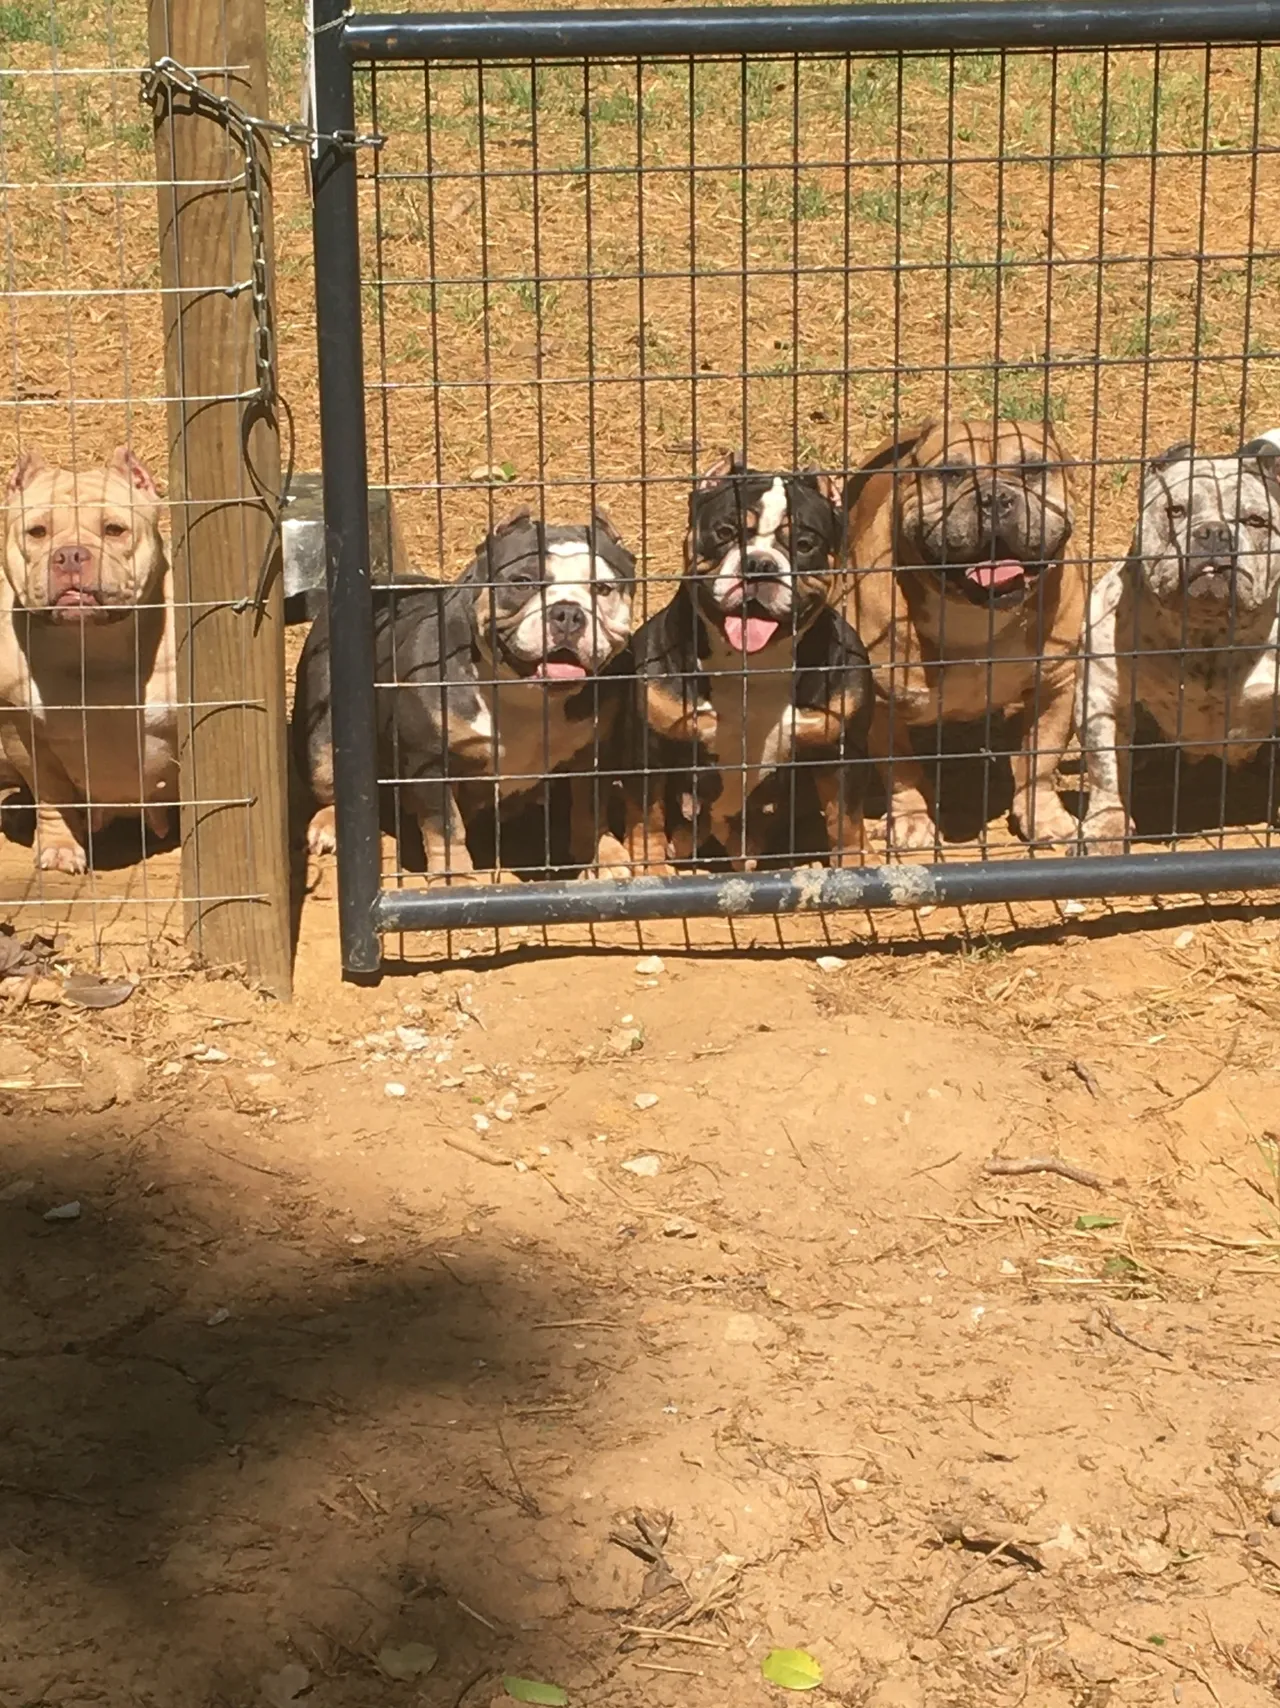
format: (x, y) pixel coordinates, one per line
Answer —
(341, 40)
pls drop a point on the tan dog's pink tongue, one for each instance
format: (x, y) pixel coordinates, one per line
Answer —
(749, 634)
(998, 574)
(560, 672)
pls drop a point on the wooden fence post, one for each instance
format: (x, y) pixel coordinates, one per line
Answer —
(235, 845)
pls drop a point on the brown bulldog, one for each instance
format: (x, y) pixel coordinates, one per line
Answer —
(88, 720)
(965, 604)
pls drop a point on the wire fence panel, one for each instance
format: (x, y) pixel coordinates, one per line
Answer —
(830, 449)
(141, 666)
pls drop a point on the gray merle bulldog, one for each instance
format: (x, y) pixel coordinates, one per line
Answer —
(748, 679)
(1185, 628)
(497, 675)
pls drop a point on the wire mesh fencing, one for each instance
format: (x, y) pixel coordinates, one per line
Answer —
(141, 661)
(794, 438)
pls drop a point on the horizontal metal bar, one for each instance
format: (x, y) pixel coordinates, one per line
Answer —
(703, 896)
(917, 26)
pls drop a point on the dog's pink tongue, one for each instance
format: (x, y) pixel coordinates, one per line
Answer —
(999, 574)
(559, 671)
(749, 634)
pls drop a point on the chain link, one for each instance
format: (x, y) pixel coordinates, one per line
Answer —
(166, 77)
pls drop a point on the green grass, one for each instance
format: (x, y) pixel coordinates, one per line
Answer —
(30, 21)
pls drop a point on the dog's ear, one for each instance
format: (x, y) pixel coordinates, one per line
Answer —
(601, 519)
(729, 463)
(897, 448)
(25, 470)
(1178, 453)
(123, 462)
(1265, 451)
(826, 484)
(516, 519)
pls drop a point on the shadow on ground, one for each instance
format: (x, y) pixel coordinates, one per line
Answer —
(202, 1485)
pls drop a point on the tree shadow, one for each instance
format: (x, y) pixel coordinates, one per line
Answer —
(195, 1493)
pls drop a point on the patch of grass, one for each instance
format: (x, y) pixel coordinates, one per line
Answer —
(1022, 394)
(29, 21)
(1140, 337)
(527, 294)
(883, 205)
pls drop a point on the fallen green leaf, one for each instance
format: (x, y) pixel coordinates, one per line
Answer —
(507, 471)
(1158, 1641)
(533, 1690)
(792, 1669)
(1087, 1224)
(409, 1660)
(1120, 1265)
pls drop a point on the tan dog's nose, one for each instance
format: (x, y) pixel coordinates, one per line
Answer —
(69, 564)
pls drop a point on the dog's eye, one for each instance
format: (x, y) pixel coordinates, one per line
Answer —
(806, 543)
(115, 530)
(1034, 465)
(1177, 511)
(37, 531)
(1256, 521)
(725, 533)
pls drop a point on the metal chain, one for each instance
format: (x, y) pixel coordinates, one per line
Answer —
(166, 75)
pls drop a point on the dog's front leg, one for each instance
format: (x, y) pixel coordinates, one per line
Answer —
(432, 802)
(1039, 817)
(908, 821)
(1103, 715)
(60, 816)
(592, 845)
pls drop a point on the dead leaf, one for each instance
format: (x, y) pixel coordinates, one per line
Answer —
(87, 990)
(282, 1689)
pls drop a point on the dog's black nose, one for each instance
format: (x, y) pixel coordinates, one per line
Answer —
(565, 622)
(1212, 541)
(999, 500)
(760, 567)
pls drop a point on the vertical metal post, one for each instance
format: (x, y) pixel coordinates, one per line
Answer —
(336, 232)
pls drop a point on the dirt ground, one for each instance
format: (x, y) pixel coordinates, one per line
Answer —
(366, 1334)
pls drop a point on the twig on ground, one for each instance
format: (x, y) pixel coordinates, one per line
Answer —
(660, 1635)
(1085, 1076)
(826, 1516)
(526, 1501)
(1044, 1165)
(477, 1148)
(1153, 1653)
(1201, 1085)
(1108, 1320)
(657, 1666)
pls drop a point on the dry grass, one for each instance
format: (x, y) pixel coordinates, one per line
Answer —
(906, 245)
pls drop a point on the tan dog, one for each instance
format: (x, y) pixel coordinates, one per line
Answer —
(965, 606)
(87, 678)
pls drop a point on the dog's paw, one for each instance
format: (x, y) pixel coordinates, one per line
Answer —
(842, 858)
(61, 857)
(1046, 823)
(1107, 831)
(911, 832)
(322, 835)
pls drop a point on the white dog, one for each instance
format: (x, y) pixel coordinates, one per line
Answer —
(87, 674)
(1185, 627)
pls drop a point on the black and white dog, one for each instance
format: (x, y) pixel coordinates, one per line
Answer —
(499, 675)
(749, 672)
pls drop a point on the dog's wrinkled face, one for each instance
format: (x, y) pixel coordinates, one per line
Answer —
(553, 602)
(763, 548)
(988, 504)
(83, 547)
(1210, 530)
